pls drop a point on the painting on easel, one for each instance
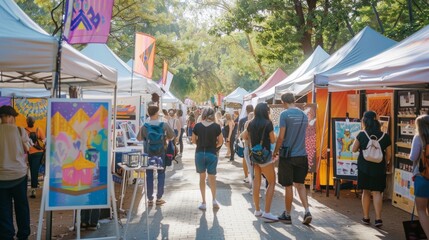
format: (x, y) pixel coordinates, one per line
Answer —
(78, 146)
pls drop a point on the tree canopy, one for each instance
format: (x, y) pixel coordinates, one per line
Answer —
(215, 46)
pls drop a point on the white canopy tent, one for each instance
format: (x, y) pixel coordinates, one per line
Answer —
(28, 56)
(359, 48)
(236, 96)
(404, 64)
(128, 83)
(318, 56)
(169, 97)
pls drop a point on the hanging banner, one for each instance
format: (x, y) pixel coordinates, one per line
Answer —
(144, 55)
(87, 21)
(31, 107)
(78, 143)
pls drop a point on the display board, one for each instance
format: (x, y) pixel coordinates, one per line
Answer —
(343, 136)
(34, 107)
(78, 152)
(310, 135)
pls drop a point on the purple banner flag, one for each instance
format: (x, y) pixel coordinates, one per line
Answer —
(87, 21)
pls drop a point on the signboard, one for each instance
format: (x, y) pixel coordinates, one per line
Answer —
(343, 135)
(78, 144)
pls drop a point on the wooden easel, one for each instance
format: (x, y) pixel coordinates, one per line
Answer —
(78, 220)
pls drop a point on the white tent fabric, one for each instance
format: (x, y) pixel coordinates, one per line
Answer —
(236, 96)
(127, 81)
(404, 64)
(24, 92)
(318, 56)
(28, 55)
(169, 97)
(367, 43)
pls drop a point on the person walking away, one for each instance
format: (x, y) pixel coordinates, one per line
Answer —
(241, 123)
(293, 167)
(143, 135)
(14, 143)
(233, 135)
(246, 151)
(190, 125)
(35, 153)
(181, 131)
(421, 184)
(261, 130)
(208, 137)
(228, 128)
(173, 122)
(372, 176)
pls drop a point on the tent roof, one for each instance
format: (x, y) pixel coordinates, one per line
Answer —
(318, 56)
(275, 78)
(126, 79)
(28, 55)
(359, 48)
(404, 64)
(236, 96)
(169, 97)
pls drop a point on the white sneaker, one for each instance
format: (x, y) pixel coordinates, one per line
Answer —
(215, 204)
(202, 206)
(258, 213)
(268, 217)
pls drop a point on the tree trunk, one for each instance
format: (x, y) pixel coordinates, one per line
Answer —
(377, 16)
(252, 52)
(305, 27)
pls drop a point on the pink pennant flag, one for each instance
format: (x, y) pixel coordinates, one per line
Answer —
(88, 21)
(144, 54)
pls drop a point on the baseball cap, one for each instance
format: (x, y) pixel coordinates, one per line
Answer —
(8, 111)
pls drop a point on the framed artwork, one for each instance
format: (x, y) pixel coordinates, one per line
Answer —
(407, 98)
(424, 99)
(343, 136)
(78, 153)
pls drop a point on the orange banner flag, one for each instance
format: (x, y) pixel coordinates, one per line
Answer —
(144, 55)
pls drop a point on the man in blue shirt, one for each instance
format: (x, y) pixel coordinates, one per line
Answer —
(293, 163)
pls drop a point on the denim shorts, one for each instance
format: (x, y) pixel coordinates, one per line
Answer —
(421, 187)
(205, 161)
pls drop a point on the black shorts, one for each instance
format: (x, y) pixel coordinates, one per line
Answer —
(292, 170)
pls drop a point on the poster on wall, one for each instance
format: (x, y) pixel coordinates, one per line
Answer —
(404, 184)
(384, 123)
(310, 134)
(78, 153)
(128, 111)
(343, 136)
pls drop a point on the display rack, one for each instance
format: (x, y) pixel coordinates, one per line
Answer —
(409, 106)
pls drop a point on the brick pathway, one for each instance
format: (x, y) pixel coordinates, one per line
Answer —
(180, 218)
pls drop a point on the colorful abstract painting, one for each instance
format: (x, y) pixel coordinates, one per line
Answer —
(78, 154)
(34, 107)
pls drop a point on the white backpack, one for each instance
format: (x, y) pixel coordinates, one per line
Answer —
(373, 152)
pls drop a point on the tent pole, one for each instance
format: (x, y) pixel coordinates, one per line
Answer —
(328, 150)
(321, 147)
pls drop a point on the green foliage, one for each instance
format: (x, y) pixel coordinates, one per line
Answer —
(215, 46)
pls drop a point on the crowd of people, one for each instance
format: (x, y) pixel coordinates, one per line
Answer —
(211, 129)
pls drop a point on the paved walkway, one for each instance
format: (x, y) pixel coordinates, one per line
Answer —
(180, 217)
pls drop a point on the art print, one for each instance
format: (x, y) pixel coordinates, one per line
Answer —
(78, 146)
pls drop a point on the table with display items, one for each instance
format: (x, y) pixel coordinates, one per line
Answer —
(140, 180)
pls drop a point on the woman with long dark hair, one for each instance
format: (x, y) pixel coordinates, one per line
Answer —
(261, 129)
(372, 176)
(421, 184)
